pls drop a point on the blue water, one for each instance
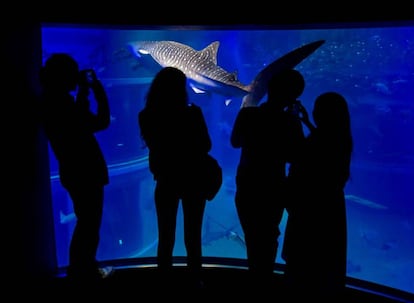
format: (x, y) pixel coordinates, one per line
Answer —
(372, 67)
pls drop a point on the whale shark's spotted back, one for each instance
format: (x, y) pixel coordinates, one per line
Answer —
(199, 66)
(206, 75)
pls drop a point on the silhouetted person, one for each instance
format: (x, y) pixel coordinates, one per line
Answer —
(177, 138)
(269, 136)
(70, 127)
(315, 246)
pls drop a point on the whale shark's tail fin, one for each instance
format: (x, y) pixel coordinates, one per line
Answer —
(258, 87)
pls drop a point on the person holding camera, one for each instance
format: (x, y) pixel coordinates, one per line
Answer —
(270, 136)
(316, 265)
(70, 126)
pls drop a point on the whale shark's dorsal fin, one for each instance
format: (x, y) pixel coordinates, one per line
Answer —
(210, 51)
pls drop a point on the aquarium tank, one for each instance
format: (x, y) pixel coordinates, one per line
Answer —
(371, 66)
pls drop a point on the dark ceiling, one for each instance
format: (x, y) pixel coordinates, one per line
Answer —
(252, 13)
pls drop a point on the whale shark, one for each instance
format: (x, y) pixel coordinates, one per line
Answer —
(204, 73)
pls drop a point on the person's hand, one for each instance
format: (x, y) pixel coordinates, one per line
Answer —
(302, 112)
(304, 116)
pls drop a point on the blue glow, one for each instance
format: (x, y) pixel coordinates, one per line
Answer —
(372, 67)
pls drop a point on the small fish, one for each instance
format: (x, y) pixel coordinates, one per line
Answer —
(365, 202)
(232, 235)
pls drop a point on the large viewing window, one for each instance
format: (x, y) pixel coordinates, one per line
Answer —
(372, 66)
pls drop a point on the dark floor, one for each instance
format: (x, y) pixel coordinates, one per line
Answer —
(142, 283)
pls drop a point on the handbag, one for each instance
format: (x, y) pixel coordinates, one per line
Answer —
(213, 177)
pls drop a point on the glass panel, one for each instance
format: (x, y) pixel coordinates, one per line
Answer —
(372, 67)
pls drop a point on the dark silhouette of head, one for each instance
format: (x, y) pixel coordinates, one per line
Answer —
(330, 110)
(332, 118)
(60, 73)
(286, 86)
(168, 89)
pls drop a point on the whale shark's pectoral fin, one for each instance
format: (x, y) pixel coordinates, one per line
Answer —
(201, 91)
(204, 84)
(196, 89)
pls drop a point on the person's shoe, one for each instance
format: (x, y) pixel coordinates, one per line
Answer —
(105, 272)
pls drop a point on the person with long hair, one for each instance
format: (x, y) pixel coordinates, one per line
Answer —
(176, 134)
(315, 246)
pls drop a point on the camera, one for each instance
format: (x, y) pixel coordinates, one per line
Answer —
(87, 77)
